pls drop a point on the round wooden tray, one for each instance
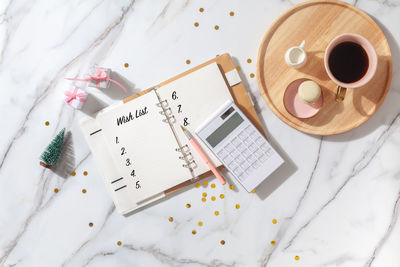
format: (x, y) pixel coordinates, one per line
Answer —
(318, 22)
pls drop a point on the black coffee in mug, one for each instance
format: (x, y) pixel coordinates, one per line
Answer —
(348, 62)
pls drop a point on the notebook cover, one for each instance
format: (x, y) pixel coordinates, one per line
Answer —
(238, 92)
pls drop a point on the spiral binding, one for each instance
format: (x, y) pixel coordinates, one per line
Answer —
(187, 156)
(166, 111)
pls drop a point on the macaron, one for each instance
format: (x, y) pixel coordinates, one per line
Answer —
(309, 92)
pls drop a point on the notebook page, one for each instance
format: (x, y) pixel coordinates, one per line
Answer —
(143, 147)
(123, 199)
(192, 99)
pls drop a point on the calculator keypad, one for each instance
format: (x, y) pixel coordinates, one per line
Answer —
(245, 152)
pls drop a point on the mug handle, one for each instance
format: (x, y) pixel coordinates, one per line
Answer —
(340, 93)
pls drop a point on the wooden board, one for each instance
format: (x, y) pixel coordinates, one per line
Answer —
(237, 91)
(318, 22)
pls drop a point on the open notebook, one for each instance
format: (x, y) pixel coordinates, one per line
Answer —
(144, 151)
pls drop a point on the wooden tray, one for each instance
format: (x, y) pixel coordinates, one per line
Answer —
(318, 22)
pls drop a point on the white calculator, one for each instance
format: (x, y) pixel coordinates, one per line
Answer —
(239, 146)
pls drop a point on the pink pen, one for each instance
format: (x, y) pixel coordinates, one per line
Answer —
(203, 156)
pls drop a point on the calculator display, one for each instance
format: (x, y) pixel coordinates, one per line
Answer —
(226, 128)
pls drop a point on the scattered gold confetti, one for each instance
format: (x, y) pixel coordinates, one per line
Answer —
(194, 232)
(216, 27)
(203, 199)
(216, 213)
(274, 221)
(201, 9)
(170, 219)
(197, 185)
(213, 198)
(252, 75)
(196, 24)
(231, 13)
(237, 206)
(222, 242)
(56, 190)
(238, 68)
(212, 185)
(221, 196)
(119, 243)
(126, 65)
(47, 123)
(205, 183)
(90, 224)
(84, 191)
(230, 187)
(187, 61)
(273, 242)
(85, 173)
(296, 258)
(253, 191)
(204, 194)
(73, 173)
(188, 205)
(249, 60)
(200, 223)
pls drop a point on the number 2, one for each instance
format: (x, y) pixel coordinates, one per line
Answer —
(123, 151)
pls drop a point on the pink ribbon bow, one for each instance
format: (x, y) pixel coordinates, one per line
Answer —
(101, 75)
(74, 95)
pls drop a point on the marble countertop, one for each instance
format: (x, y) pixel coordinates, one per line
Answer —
(335, 203)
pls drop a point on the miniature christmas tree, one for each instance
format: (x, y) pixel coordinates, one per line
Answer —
(50, 156)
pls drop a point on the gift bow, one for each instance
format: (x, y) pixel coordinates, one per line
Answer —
(74, 95)
(101, 75)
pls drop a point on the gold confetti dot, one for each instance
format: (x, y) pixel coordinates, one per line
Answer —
(47, 123)
(296, 258)
(252, 75)
(231, 13)
(119, 243)
(237, 206)
(216, 27)
(73, 173)
(188, 205)
(230, 187)
(205, 183)
(249, 60)
(90, 224)
(253, 191)
(56, 190)
(188, 61)
(85, 173)
(216, 213)
(238, 68)
(273, 242)
(213, 198)
(126, 65)
(204, 194)
(222, 242)
(197, 185)
(221, 196)
(274, 221)
(201, 9)
(200, 223)
(194, 232)
(212, 185)
(84, 191)
(203, 199)
(196, 24)
(170, 219)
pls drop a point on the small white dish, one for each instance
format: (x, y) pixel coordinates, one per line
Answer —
(295, 56)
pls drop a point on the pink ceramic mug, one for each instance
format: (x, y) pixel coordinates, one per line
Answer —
(365, 75)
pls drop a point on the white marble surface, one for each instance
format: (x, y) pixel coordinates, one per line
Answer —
(336, 201)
